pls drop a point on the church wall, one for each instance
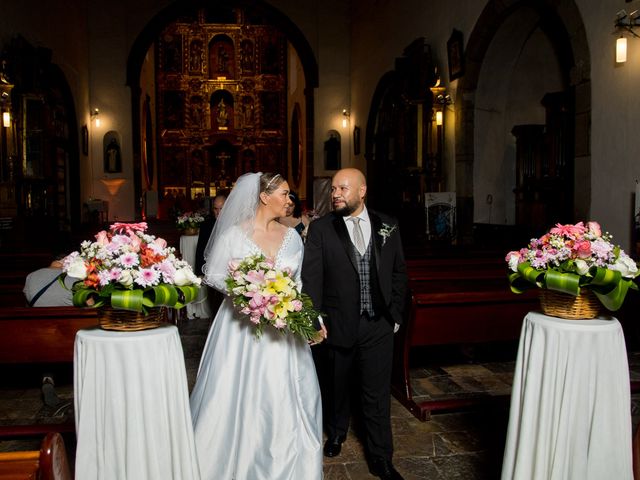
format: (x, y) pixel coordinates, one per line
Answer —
(44, 24)
(381, 30)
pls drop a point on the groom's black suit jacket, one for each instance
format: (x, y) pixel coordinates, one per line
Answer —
(330, 275)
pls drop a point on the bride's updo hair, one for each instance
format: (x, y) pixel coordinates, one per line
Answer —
(269, 182)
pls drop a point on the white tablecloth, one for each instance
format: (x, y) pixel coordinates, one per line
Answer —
(200, 307)
(570, 412)
(132, 406)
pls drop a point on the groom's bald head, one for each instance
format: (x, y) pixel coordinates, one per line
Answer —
(348, 190)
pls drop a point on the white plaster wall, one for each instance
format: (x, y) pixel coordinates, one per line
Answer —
(382, 29)
(520, 67)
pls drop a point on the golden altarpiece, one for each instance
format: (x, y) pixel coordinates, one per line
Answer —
(221, 102)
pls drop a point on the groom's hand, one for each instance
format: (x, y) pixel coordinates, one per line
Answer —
(320, 336)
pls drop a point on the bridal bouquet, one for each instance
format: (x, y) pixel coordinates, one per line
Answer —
(127, 269)
(269, 296)
(571, 257)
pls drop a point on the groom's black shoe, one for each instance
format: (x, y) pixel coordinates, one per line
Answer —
(383, 469)
(333, 445)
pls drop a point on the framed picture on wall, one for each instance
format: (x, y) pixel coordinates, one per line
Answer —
(85, 140)
(455, 55)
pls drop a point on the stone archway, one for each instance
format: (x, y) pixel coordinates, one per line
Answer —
(562, 23)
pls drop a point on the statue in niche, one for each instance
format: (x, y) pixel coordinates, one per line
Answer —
(332, 153)
(223, 59)
(222, 117)
(112, 157)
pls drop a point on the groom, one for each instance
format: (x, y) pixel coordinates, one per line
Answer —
(354, 271)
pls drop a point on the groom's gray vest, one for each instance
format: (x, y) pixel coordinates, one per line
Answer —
(364, 272)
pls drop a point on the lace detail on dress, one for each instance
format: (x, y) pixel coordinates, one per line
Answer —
(255, 248)
(283, 246)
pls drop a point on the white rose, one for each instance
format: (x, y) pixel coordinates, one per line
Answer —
(513, 263)
(77, 268)
(182, 277)
(581, 267)
(126, 278)
(625, 265)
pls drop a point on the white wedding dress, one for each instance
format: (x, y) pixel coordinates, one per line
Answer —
(256, 406)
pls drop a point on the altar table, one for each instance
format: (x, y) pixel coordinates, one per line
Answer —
(570, 414)
(200, 307)
(132, 406)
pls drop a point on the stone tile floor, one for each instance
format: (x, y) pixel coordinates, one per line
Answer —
(465, 445)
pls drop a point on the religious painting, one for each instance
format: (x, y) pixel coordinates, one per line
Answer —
(246, 56)
(172, 53)
(455, 55)
(196, 105)
(195, 57)
(272, 54)
(270, 110)
(356, 140)
(85, 140)
(173, 109)
(332, 148)
(247, 111)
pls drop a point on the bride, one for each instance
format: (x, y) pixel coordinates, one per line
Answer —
(256, 404)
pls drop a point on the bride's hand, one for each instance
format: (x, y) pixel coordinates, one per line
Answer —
(320, 336)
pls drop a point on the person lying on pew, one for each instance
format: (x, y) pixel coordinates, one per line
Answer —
(42, 287)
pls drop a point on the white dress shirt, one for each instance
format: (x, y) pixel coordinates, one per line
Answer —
(365, 226)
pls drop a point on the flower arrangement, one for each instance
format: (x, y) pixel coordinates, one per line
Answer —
(386, 231)
(127, 269)
(189, 220)
(269, 296)
(571, 257)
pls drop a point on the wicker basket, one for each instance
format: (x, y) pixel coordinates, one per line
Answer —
(583, 307)
(190, 231)
(129, 321)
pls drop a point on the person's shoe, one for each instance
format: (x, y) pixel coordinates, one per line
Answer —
(383, 469)
(333, 445)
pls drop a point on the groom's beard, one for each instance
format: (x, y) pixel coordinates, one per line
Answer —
(346, 210)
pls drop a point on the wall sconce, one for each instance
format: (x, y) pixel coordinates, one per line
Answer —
(440, 100)
(625, 23)
(6, 119)
(95, 115)
(345, 118)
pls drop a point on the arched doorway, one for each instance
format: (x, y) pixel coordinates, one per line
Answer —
(527, 66)
(220, 73)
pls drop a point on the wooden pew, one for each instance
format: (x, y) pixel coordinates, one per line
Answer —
(48, 463)
(41, 334)
(455, 301)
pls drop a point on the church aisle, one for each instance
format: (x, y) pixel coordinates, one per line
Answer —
(460, 445)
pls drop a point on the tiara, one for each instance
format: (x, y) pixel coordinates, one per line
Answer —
(271, 181)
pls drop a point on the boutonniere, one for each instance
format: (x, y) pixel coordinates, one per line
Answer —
(386, 231)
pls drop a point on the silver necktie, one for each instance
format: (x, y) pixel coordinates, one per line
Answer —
(358, 238)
